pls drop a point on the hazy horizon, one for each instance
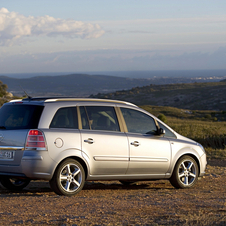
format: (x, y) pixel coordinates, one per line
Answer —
(131, 74)
(129, 35)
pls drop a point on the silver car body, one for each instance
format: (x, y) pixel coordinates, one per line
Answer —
(104, 155)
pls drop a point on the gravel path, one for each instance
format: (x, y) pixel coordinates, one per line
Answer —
(110, 203)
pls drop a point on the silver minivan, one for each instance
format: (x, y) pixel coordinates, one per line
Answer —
(68, 141)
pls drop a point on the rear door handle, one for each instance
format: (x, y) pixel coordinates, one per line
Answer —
(89, 141)
(135, 143)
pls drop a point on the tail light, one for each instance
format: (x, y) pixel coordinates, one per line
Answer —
(35, 140)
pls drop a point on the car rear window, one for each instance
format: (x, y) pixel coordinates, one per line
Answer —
(14, 117)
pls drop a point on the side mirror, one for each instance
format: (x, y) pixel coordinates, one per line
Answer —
(161, 131)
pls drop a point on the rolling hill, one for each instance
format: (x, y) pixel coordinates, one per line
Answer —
(196, 96)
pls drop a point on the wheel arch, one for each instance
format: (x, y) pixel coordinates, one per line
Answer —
(80, 160)
(192, 156)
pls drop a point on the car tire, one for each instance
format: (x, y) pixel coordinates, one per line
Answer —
(68, 179)
(185, 173)
(12, 183)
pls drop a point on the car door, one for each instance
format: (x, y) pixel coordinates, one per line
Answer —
(103, 144)
(149, 153)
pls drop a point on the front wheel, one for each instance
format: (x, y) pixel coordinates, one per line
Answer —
(69, 178)
(12, 183)
(185, 173)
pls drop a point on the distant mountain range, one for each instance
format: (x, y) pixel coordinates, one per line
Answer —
(69, 85)
(215, 73)
(83, 85)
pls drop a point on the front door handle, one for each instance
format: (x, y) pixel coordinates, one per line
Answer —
(89, 141)
(135, 143)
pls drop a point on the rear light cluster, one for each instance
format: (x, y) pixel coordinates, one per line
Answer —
(35, 140)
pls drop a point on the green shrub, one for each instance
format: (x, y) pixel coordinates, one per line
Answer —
(163, 118)
(208, 116)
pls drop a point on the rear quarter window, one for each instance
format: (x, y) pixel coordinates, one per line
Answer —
(20, 116)
(65, 118)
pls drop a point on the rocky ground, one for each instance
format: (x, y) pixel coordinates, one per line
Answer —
(110, 203)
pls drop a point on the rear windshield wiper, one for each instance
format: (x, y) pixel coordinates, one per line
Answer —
(2, 127)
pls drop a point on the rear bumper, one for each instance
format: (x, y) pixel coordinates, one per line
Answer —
(12, 175)
(34, 165)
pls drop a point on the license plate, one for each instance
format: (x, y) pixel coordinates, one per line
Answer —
(6, 155)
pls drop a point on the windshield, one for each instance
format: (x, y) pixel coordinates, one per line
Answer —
(14, 117)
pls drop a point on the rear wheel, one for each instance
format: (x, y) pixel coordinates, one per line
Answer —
(185, 173)
(13, 183)
(69, 178)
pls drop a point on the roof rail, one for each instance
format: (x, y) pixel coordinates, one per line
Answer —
(51, 99)
(43, 98)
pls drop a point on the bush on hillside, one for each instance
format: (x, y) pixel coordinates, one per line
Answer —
(163, 118)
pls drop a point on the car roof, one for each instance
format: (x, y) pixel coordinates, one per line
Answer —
(66, 99)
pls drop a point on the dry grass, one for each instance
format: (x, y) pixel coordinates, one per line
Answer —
(200, 126)
(212, 135)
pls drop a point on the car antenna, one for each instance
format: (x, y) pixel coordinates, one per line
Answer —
(29, 97)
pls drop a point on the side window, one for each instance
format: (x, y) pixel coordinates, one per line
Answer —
(168, 133)
(138, 122)
(65, 118)
(100, 118)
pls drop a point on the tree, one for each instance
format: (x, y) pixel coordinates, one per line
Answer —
(3, 88)
(3, 93)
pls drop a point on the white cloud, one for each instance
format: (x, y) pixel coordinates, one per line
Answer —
(15, 26)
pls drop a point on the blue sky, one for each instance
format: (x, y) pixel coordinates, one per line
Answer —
(103, 35)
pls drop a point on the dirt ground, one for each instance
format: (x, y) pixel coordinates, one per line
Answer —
(110, 203)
